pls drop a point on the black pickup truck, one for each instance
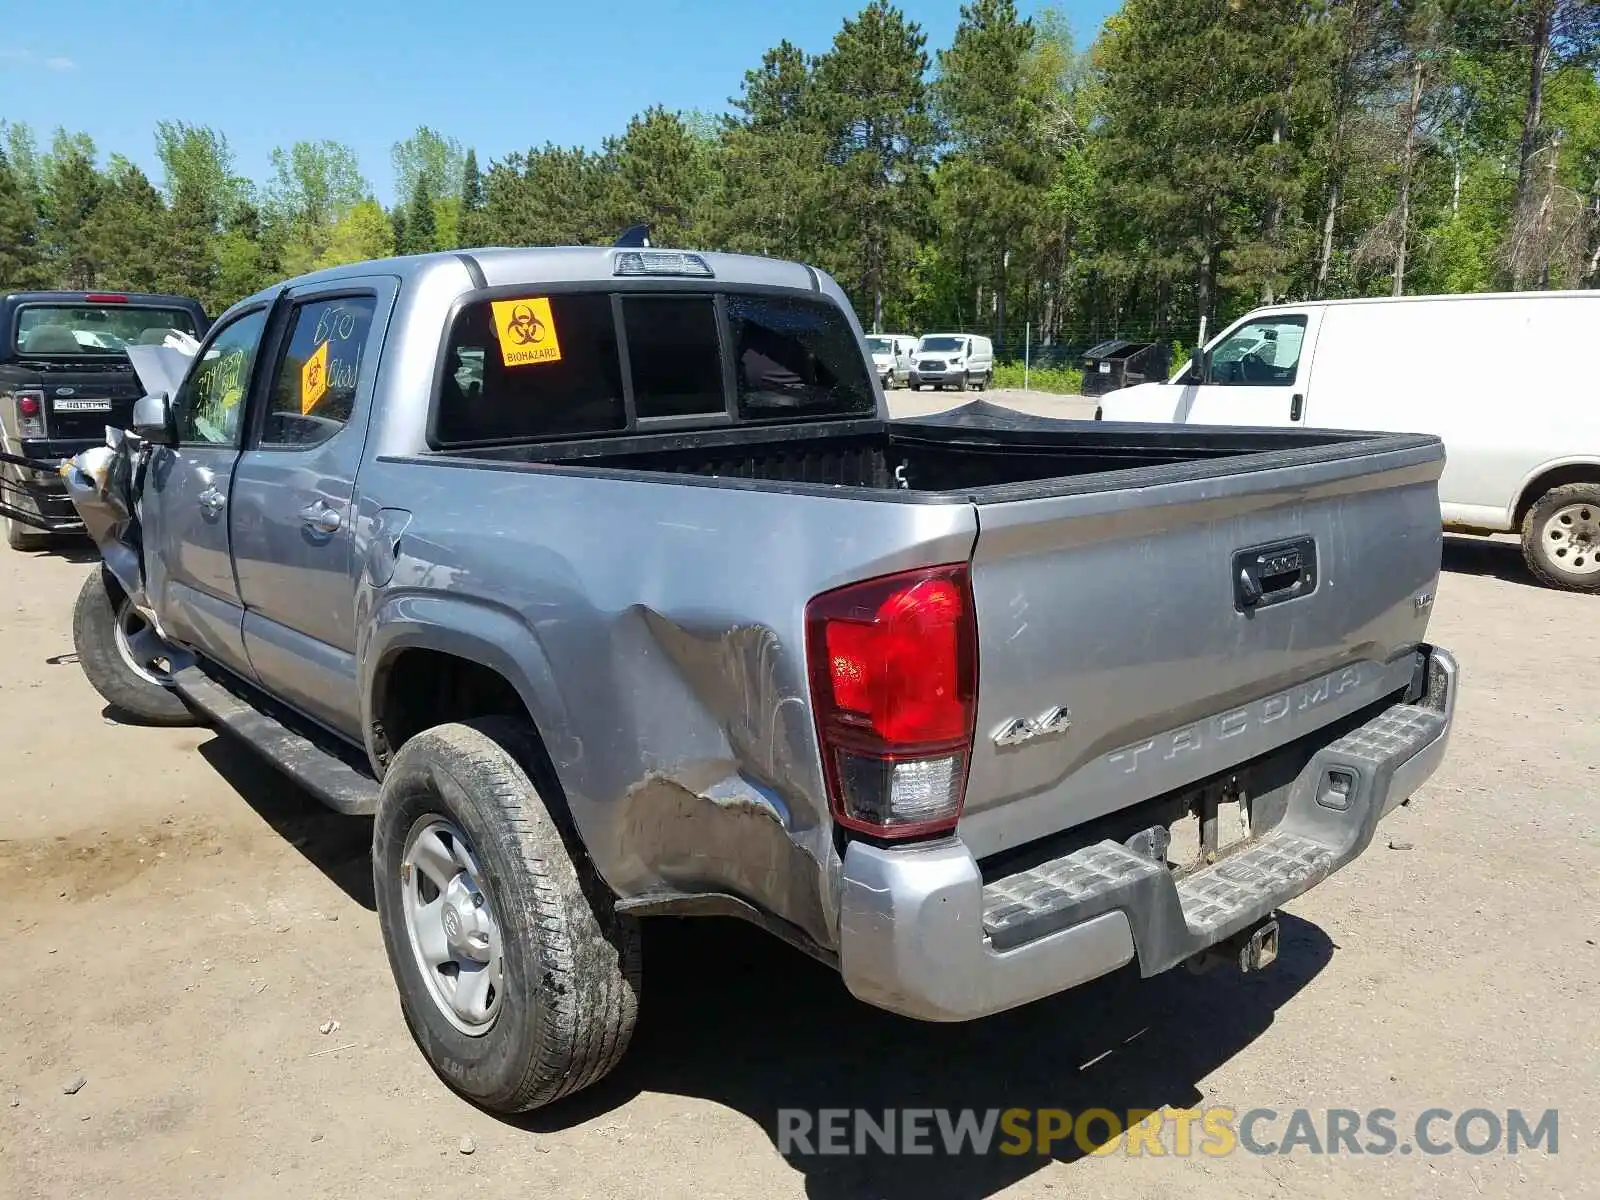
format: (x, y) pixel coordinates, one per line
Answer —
(64, 377)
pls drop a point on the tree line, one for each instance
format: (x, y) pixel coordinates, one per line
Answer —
(1198, 158)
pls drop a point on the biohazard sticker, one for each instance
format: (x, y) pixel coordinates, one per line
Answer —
(314, 378)
(527, 331)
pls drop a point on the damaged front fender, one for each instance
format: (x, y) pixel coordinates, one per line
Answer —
(102, 484)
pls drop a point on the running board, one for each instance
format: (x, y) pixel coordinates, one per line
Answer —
(305, 754)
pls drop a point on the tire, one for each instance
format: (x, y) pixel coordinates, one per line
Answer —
(1561, 538)
(916, 387)
(966, 382)
(107, 658)
(20, 537)
(569, 966)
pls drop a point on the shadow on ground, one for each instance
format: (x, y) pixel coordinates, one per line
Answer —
(72, 547)
(733, 1016)
(338, 846)
(1485, 556)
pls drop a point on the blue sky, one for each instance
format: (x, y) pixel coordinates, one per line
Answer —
(511, 76)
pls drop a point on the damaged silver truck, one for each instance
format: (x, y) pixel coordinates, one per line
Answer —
(602, 580)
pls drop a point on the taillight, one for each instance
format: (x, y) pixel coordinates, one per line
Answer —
(30, 413)
(894, 679)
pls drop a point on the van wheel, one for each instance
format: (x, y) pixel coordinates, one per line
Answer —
(518, 980)
(1561, 538)
(966, 382)
(916, 387)
(123, 658)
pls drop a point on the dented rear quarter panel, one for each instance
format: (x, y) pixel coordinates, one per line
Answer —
(657, 635)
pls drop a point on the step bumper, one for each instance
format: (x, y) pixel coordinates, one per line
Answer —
(921, 934)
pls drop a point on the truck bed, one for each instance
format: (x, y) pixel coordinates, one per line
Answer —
(978, 452)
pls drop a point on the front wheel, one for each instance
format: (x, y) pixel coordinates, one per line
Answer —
(122, 656)
(1561, 538)
(915, 386)
(517, 978)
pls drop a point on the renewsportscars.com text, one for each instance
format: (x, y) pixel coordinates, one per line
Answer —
(1214, 1132)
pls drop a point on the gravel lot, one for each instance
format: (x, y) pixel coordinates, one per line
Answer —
(178, 923)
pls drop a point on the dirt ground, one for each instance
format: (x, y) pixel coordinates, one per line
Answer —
(177, 923)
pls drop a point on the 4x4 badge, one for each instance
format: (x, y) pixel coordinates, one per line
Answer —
(1024, 729)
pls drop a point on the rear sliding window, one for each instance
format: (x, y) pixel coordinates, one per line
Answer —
(536, 368)
(47, 330)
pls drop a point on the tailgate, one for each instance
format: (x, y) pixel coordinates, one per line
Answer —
(81, 403)
(1121, 656)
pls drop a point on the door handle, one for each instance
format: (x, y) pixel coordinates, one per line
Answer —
(1297, 405)
(321, 516)
(212, 501)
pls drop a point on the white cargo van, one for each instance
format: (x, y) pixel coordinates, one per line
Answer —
(1509, 381)
(891, 356)
(965, 360)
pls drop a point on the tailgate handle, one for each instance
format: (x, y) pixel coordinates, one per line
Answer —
(1268, 575)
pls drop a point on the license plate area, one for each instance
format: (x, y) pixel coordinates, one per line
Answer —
(80, 405)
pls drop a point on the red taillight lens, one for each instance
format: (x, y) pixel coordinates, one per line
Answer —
(30, 413)
(894, 668)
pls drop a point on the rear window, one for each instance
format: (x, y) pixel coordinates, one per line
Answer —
(555, 373)
(796, 357)
(674, 355)
(49, 330)
(536, 368)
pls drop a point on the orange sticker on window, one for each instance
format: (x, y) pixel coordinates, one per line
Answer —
(527, 331)
(314, 378)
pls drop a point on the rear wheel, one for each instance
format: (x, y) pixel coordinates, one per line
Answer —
(122, 656)
(20, 537)
(518, 979)
(1561, 538)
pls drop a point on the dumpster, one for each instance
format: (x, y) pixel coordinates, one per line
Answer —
(1119, 364)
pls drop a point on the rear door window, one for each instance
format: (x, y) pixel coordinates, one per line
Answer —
(314, 386)
(533, 368)
(795, 357)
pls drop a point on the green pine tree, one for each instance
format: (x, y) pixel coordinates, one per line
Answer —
(871, 98)
(421, 228)
(21, 263)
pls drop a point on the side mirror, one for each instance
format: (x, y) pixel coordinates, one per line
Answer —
(153, 421)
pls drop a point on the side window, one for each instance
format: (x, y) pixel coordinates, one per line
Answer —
(674, 355)
(1264, 353)
(314, 379)
(531, 368)
(211, 401)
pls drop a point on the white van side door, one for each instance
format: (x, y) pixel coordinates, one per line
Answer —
(1258, 372)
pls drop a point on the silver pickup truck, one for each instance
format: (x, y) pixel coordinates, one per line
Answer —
(601, 578)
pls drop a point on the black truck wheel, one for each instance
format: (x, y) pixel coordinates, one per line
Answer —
(20, 537)
(518, 980)
(122, 656)
(1561, 538)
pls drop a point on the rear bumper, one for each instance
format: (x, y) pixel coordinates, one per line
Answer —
(923, 935)
(36, 495)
